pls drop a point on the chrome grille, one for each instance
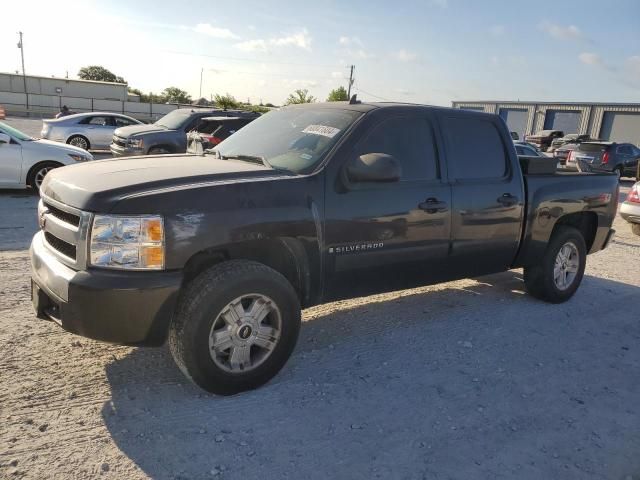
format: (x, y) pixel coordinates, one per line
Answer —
(65, 231)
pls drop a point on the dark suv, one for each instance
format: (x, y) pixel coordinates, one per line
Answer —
(619, 158)
(213, 130)
(167, 135)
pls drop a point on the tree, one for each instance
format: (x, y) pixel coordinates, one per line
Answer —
(300, 96)
(101, 74)
(225, 101)
(338, 95)
(175, 95)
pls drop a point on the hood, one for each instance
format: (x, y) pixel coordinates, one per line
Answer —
(98, 186)
(46, 145)
(126, 132)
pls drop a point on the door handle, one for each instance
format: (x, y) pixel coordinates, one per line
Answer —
(433, 205)
(507, 200)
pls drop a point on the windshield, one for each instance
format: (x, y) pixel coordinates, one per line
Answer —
(175, 120)
(294, 139)
(12, 132)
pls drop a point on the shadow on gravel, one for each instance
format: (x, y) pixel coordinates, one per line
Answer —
(480, 382)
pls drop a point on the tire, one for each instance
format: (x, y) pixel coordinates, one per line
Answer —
(159, 151)
(38, 172)
(197, 344)
(79, 141)
(635, 228)
(539, 279)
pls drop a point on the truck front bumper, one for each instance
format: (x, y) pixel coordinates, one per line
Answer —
(132, 308)
(119, 151)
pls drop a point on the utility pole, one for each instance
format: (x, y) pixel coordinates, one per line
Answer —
(200, 95)
(24, 76)
(350, 82)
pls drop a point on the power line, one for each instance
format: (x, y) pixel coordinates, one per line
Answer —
(360, 90)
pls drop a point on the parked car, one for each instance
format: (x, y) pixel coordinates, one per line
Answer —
(562, 153)
(630, 208)
(527, 150)
(89, 131)
(570, 138)
(619, 158)
(24, 161)
(544, 138)
(213, 130)
(307, 204)
(168, 134)
(514, 135)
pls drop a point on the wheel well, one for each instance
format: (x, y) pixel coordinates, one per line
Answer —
(81, 136)
(35, 167)
(170, 148)
(586, 222)
(284, 255)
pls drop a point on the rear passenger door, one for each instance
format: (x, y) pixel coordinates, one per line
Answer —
(487, 193)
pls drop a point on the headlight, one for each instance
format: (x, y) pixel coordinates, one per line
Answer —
(79, 158)
(131, 243)
(135, 142)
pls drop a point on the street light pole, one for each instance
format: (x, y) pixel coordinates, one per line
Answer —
(24, 75)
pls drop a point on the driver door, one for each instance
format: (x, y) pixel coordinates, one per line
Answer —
(10, 163)
(387, 236)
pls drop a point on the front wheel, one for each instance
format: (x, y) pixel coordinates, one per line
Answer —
(235, 327)
(558, 275)
(36, 174)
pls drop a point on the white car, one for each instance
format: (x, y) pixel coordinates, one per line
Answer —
(24, 161)
(91, 131)
(630, 209)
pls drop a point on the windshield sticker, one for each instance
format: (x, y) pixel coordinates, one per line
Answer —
(322, 130)
(306, 156)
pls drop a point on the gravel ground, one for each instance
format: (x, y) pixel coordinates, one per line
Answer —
(468, 379)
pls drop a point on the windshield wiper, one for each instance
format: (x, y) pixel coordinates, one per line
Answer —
(247, 158)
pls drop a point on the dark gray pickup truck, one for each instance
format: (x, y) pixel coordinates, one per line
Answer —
(218, 253)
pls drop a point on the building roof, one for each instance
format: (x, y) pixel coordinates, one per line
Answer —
(64, 79)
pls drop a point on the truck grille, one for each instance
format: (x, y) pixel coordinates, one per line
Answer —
(121, 142)
(70, 218)
(60, 245)
(65, 231)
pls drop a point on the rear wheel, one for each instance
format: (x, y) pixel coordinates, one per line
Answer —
(235, 327)
(79, 141)
(558, 275)
(36, 175)
(635, 228)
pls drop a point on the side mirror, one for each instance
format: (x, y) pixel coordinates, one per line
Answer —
(374, 167)
(4, 138)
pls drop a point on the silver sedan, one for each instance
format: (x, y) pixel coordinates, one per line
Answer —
(92, 130)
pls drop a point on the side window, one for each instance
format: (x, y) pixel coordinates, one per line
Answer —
(519, 150)
(122, 122)
(410, 141)
(99, 121)
(474, 148)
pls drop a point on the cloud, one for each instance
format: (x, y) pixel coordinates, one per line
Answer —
(404, 56)
(497, 30)
(252, 46)
(346, 41)
(208, 29)
(337, 75)
(404, 91)
(561, 32)
(592, 59)
(300, 39)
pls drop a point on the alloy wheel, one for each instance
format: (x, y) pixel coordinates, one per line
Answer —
(566, 266)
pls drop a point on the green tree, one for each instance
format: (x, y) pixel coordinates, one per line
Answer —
(101, 74)
(175, 95)
(338, 95)
(225, 101)
(300, 96)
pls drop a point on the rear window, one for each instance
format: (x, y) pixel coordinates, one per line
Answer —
(592, 147)
(475, 148)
